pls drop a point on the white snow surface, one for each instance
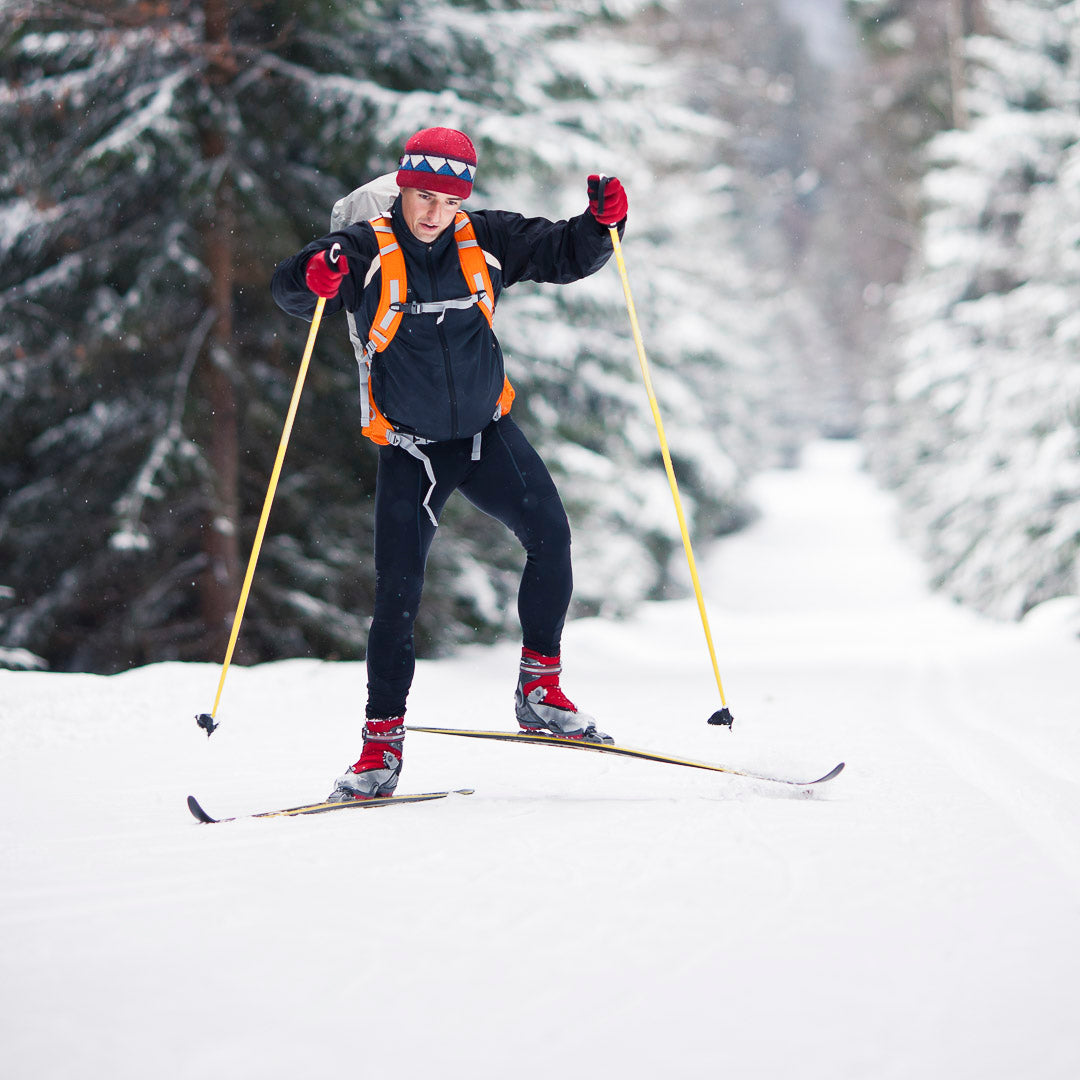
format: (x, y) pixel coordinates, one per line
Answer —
(580, 915)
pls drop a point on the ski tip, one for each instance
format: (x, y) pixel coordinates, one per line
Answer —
(198, 812)
(830, 774)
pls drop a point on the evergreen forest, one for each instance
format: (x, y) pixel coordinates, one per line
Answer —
(848, 219)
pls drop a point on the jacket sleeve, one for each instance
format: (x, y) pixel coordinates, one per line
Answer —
(290, 291)
(536, 249)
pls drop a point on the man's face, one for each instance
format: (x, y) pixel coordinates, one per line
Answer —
(428, 213)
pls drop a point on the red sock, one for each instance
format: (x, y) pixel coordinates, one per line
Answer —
(539, 670)
(381, 736)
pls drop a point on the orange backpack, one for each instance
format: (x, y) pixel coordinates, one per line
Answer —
(375, 198)
(393, 306)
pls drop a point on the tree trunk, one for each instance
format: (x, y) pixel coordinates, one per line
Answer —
(219, 586)
(960, 24)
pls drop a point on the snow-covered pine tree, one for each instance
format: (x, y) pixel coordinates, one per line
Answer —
(978, 422)
(798, 204)
(730, 338)
(160, 160)
(571, 352)
(155, 159)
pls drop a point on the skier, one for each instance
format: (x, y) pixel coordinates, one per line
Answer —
(439, 404)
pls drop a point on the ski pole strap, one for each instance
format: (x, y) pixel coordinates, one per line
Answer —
(601, 184)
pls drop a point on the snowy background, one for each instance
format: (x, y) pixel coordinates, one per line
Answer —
(877, 241)
(846, 218)
(578, 916)
(146, 194)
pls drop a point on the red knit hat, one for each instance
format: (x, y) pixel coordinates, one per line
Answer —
(438, 159)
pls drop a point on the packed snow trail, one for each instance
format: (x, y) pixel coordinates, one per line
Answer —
(578, 916)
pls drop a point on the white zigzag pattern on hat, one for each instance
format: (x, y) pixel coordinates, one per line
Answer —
(444, 165)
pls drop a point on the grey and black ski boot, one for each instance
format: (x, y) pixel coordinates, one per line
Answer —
(375, 775)
(541, 706)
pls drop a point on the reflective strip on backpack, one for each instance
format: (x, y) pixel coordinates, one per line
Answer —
(482, 294)
(394, 308)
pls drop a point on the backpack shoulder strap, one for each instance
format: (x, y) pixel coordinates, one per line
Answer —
(393, 289)
(474, 264)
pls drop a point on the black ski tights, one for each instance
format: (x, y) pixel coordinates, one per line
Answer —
(511, 484)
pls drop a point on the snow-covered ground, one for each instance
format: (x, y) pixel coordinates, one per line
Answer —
(579, 916)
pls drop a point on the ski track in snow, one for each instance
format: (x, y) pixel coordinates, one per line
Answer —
(580, 915)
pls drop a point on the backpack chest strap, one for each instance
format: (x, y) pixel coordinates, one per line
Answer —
(438, 307)
(394, 287)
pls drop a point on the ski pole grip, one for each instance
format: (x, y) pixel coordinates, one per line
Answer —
(601, 184)
(334, 253)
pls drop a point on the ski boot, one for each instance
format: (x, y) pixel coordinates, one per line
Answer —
(375, 775)
(543, 709)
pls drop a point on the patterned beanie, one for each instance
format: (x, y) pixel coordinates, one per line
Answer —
(438, 159)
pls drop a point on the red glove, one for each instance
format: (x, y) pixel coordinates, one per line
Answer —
(324, 272)
(607, 199)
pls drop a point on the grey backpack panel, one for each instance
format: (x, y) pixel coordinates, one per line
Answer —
(372, 199)
(365, 202)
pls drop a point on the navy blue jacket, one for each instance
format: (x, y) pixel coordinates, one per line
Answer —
(442, 380)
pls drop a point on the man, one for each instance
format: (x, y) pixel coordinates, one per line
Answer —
(421, 284)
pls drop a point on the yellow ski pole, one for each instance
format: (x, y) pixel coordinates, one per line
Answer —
(723, 715)
(206, 720)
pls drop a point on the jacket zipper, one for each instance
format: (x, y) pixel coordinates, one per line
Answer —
(450, 388)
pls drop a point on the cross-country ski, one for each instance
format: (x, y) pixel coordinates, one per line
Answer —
(326, 807)
(625, 751)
